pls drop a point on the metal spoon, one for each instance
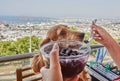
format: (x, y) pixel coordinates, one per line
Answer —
(91, 35)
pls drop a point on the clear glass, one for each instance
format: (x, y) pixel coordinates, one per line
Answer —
(73, 64)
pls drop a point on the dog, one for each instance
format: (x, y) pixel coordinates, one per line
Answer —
(59, 32)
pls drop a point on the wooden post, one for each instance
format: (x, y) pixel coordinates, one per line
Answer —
(19, 74)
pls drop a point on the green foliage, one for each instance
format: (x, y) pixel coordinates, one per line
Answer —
(5, 47)
(118, 40)
(87, 35)
(19, 46)
(73, 28)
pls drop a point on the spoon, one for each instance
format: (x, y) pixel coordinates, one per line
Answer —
(91, 35)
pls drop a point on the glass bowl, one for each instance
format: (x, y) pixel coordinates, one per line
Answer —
(73, 60)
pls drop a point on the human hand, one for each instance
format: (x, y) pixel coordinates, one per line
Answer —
(101, 35)
(54, 72)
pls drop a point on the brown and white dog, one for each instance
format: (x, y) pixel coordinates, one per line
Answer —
(59, 32)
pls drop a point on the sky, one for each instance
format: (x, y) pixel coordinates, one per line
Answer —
(61, 8)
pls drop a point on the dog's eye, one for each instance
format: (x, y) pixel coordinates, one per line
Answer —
(62, 33)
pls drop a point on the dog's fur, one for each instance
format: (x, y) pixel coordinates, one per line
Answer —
(59, 32)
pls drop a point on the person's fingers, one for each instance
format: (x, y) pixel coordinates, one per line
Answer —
(94, 29)
(97, 31)
(97, 38)
(54, 56)
(97, 35)
(93, 25)
(97, 28)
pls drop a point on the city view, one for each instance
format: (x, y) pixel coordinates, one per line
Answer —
(24, 25)
(12, 28)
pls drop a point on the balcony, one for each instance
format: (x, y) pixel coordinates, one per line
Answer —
(8, 64)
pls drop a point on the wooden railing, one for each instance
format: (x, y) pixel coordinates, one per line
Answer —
(16, 57)
(30, 55)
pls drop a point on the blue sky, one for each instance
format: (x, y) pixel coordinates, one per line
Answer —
(61, 8)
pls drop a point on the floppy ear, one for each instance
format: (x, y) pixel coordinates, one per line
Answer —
(58, 31)
(45, 41)
(60, 27)
(37, 63)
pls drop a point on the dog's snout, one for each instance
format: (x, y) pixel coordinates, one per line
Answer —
(82, 35)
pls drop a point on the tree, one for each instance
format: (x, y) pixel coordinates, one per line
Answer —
(19, 46)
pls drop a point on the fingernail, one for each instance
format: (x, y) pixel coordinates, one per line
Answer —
(97, 35)
(99, 38)
(55, 46)
(93, 32)
(94, 29)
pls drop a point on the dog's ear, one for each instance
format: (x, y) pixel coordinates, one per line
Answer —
(58, 31)
(37, 63)
(45, 41)
(60, 28)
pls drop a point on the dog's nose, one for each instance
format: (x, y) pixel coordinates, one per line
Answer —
(82, 35)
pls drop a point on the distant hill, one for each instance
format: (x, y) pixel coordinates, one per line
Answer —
(24, 19)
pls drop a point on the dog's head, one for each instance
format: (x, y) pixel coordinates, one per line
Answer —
(62, 32)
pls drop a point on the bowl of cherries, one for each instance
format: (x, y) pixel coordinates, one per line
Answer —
(73, 56)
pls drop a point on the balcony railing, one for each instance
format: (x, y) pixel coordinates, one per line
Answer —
(30, 55)
(8, 64)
